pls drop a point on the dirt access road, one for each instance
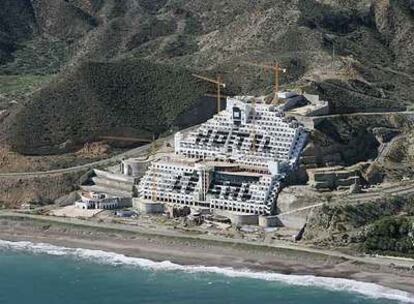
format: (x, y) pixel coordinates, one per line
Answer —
(136, 152)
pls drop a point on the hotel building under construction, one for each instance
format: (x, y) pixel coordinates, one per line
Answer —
(235, 161)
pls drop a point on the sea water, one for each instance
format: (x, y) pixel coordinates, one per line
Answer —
(46, 274)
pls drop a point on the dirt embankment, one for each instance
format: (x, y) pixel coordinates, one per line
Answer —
(38, 190)
(349, 139)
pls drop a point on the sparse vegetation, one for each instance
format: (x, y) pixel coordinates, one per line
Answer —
(384, 226)
(180, 45)
(38, 57)
(127, 97)
(391, 235)
(323, 46)
(18, 85)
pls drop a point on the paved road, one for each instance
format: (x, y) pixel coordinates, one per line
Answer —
(394, 190)
(365, 197)
(301, 209)
(140, 151)
(108, 161)
(362, 114)
(387, 147)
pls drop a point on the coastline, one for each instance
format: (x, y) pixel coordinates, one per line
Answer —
(196, 251)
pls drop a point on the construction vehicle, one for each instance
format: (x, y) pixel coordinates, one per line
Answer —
(276, 69)
(219, 83)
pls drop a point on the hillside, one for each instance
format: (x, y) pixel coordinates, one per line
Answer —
(17, 23)
(126, 98)
(356, 54)
(384, 226)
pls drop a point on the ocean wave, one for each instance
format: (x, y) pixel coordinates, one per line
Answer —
(98, 256)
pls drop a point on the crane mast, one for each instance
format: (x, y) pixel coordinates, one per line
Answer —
(277, 69)
(219, 83)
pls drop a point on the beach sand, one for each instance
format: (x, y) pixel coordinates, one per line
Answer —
(198, 251)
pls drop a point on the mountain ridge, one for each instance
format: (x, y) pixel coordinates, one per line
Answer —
(356, 54)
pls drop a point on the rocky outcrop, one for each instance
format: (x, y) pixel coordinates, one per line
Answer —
(196, 34)
(61, 20)
(395, 22)
(36, 190)
(346, 140)
(344, 224)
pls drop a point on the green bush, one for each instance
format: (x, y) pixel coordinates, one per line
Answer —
(394, 234)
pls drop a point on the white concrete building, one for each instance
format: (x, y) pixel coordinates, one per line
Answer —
(92, 200)
(248, 132)
(214, 185)
(234, 162)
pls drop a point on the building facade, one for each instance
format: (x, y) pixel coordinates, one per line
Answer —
(235, 161)
(209, 184)
(92, 200)
(248, 132)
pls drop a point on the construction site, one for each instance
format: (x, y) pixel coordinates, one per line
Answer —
(253, 163)
(234, 162)
(224, 144)
(233, 165)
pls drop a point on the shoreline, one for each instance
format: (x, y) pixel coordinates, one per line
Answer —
(361, 289)
(193, 251)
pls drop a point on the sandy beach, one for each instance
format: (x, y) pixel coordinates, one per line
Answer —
(198, 250)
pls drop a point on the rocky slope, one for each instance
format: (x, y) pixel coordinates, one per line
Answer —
(37, 190)
(384, 226)
(357, 54)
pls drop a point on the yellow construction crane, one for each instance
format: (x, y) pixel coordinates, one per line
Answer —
(218, 82)
(276, 69)
(215, 96)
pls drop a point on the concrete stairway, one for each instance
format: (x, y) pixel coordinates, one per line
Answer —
(110, 183)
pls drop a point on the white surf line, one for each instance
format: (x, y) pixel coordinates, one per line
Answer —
(98, 256)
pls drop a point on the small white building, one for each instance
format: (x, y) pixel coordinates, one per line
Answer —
(92, 200)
